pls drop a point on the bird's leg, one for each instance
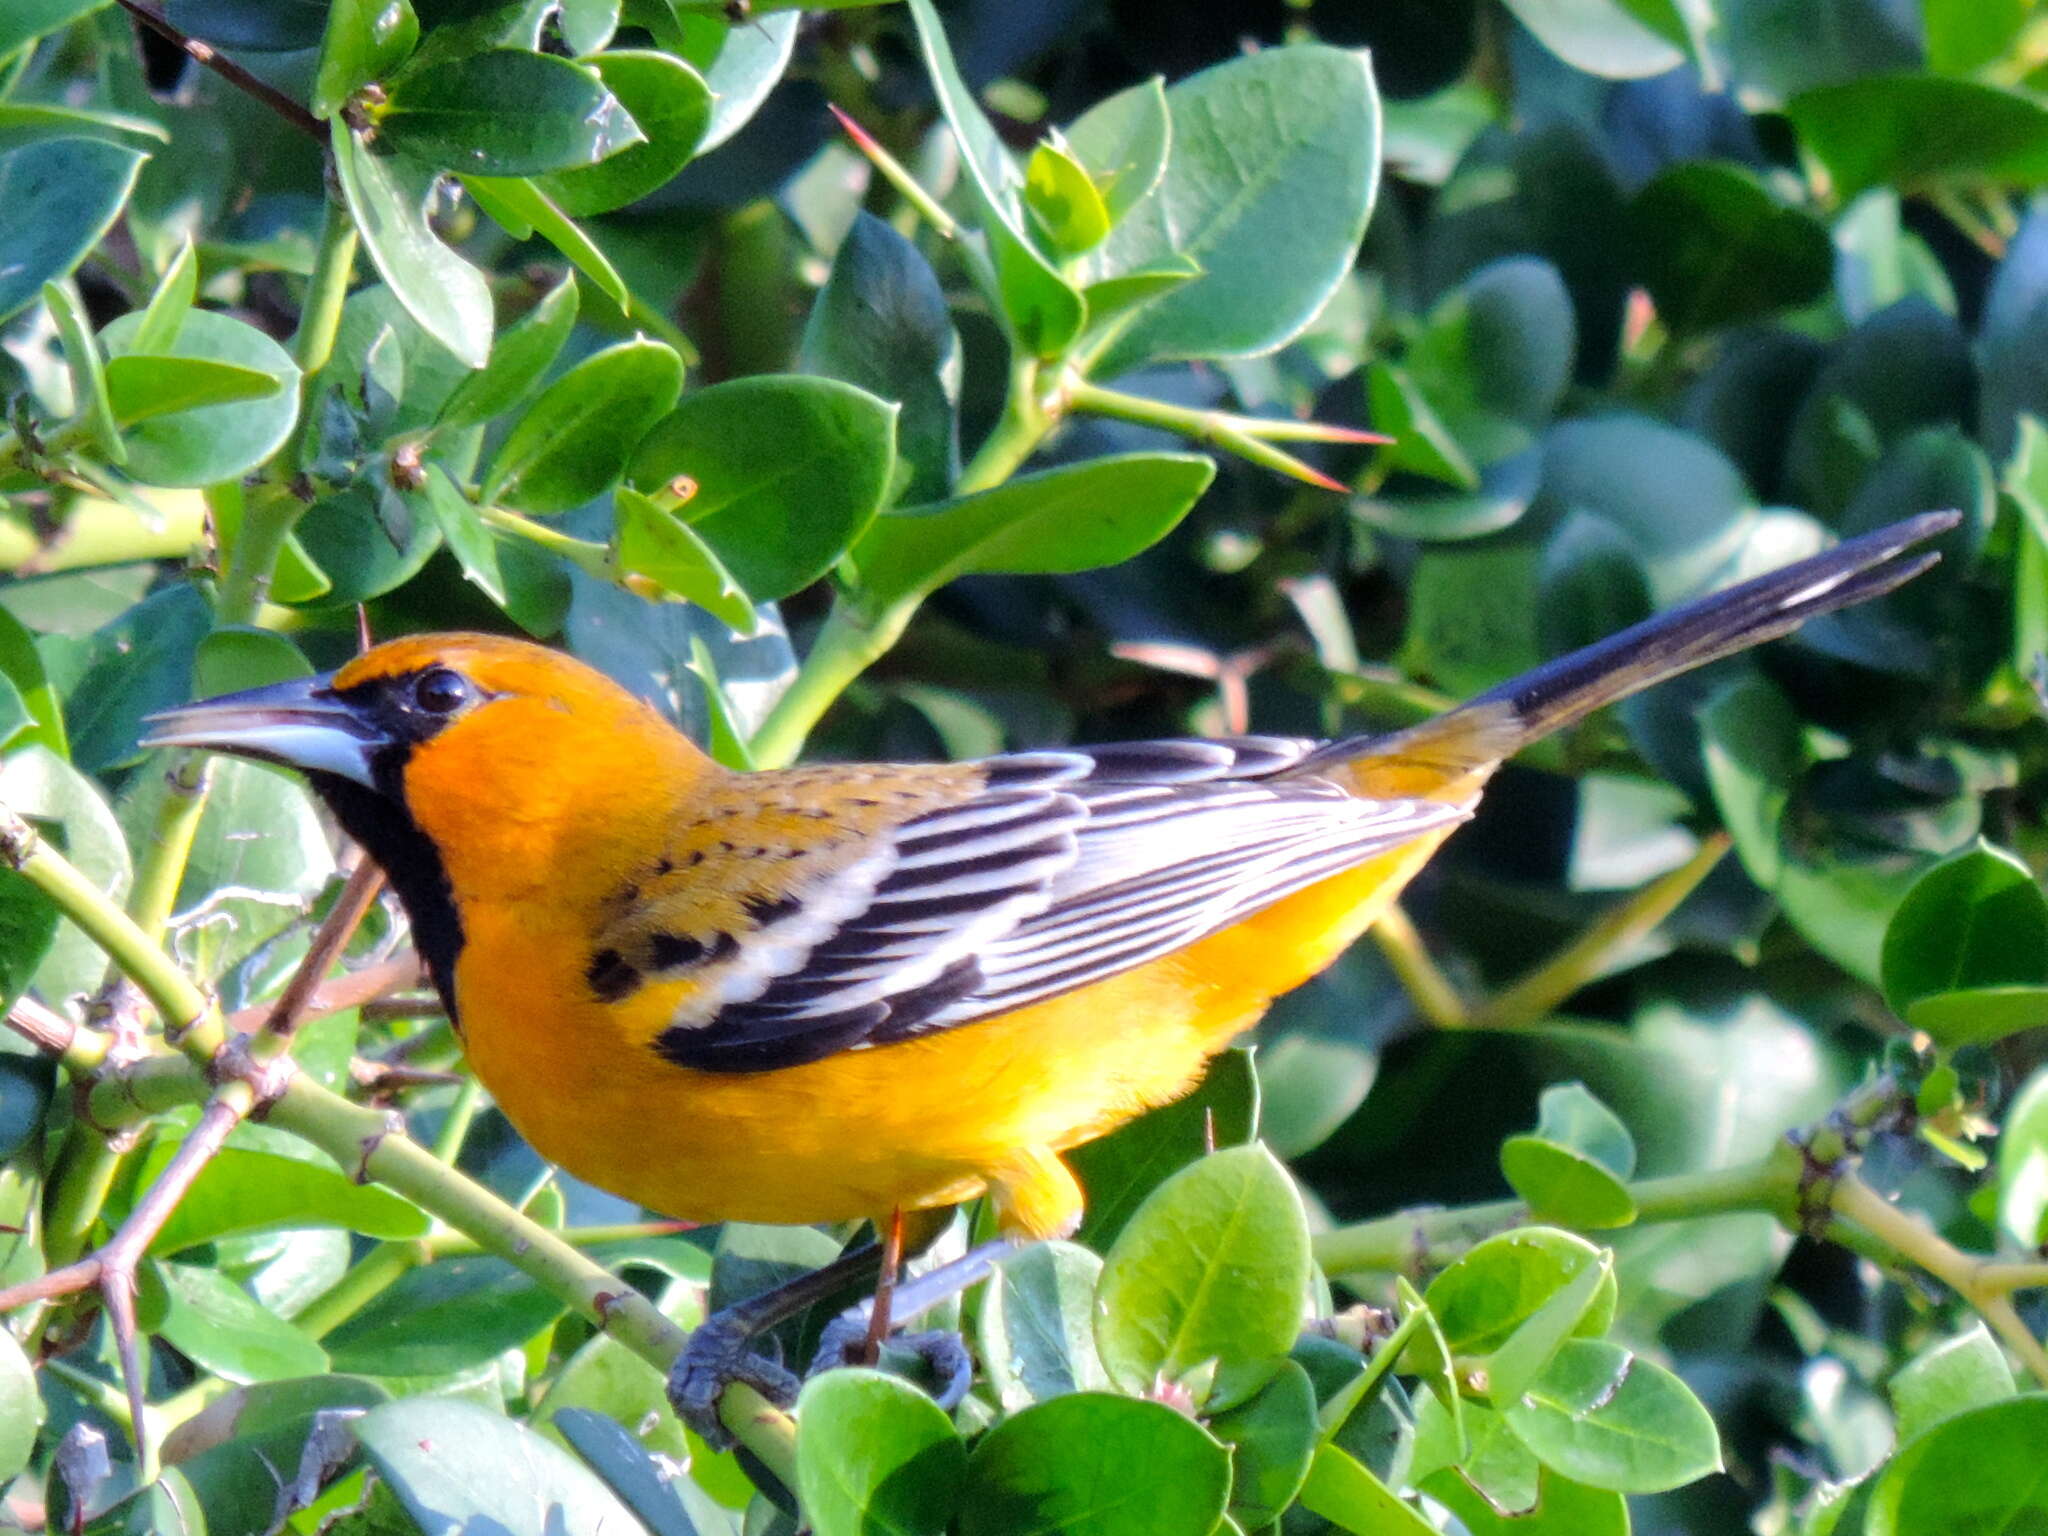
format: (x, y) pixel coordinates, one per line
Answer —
(885, 1288)
(720, 1350)
(944, 1353)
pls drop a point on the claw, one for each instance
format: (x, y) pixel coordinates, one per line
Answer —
(720, 1353)
(948, 1367)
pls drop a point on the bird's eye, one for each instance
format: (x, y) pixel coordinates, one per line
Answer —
(442, 692)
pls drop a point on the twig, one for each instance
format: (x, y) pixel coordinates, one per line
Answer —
(355, 989)
(1420, 977)
(111, 1268)
(205, 54)
(329, 940)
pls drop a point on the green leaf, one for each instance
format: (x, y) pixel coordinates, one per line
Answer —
(216, 424)
(243, 1190)
(1128, 136)
(1571, 1170)
(387, 199)
(875, 1457)
(1601, 37)
(787, 473)
(1063, 201)
(2023, 1164)
(88, 374)
(1975, 920)
(235, 1450)
(1524, 1354)
(223, 1329)
(1978, 1015)
(365, 40)
(1067, 1468)
(463, 531)
(1754, 748)
(1916, 132)
(1490, 1291)
(458, 1466)
(1603, 1416)
(21, 1407)
(1272, 1439)
(1494, 356)
(1036, 1325)
(32, 122)
(1213, 1267)
(76, 186)
(1716, 248)
(1074, 518)
(672, 106)
(23, 21)
(505, 112)
(1977, 1472)
(520, 207)
(24, 668)
(632, 1471)
(139, 663)
(1119, 1171)
(1960, 1373)
(444, 1318)
(1561, 1508)
(144, 387)
(740, 62)
(1285, 139)
(35, 948)
(1043, 308)
(574, 441)
(655, 543)
(1345, 1492)
(881, 323)
(171, 303)
(360, 552)
(523, 352)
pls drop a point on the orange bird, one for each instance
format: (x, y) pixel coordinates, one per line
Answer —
(830, 992)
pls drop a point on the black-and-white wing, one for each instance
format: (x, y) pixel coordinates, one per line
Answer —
(1064, 868)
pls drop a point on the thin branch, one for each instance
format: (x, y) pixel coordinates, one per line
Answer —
(205, 54)
(329, 940)
(1428, 988)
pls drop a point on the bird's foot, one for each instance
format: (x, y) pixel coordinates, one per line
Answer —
(938, 1358)
(721, 1352)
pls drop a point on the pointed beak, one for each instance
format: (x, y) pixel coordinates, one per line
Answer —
(300, 724)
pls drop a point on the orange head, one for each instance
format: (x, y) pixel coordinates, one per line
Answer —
(472, 767)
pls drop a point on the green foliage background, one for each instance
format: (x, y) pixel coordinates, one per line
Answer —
(1654, 1134)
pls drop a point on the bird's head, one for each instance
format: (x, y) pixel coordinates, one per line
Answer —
(512, 764)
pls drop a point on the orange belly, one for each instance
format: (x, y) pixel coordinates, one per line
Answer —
(926, 1122)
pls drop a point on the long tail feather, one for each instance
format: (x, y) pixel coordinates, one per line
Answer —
(1502, 720)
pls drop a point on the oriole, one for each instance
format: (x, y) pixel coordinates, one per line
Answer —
(844, 991)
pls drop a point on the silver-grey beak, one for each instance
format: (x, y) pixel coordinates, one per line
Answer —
(298, 724)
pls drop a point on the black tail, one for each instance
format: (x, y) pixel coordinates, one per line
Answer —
(1502, 720)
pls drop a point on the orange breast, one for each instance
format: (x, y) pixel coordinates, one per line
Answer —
(925, 1122)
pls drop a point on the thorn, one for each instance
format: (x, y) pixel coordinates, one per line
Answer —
(1208, 1129)
(363, 640)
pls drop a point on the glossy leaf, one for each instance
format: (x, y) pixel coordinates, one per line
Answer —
(141, 387)
(1037, 1332)
(1916, 131)
(1976, 920)
(881, 323)
(1212, 1267)
(874, 1454)
(1128, 137)
(1346, 1493)
(457, 1465)
(245, 1190)
(243, 389)
(1603, 37)
(1975, 1471)
(444, 1318)
(1490, 1291)
(76, 187)
(520, 356)
(1064, 1468)
(1957, 1374)
(1068, 519)
(1288, 138)
(1272, 1438)
(220, 1327)
(522, 209)
(1063, 201)
(505, 112)
(1608, 1418)
(1043, 308)
(445, 294)
(784, 473)
(574, 441)
(21, 1408)
(364, 41)
(1121, 1170)
(655, 543)
(670, 104)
